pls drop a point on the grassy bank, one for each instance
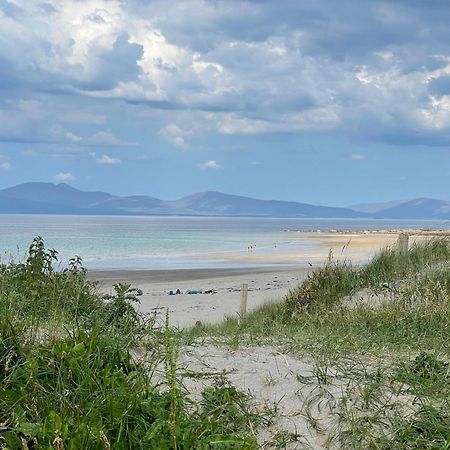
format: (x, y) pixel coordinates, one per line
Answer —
(380, 339)
(397, 302)
(70, 377)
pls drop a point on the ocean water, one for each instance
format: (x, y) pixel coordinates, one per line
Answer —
(116, 242)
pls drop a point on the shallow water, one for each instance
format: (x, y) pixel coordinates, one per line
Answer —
(116, 242)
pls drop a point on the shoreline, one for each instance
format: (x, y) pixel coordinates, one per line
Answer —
(174, 275)
(297, 249)
(278, 273)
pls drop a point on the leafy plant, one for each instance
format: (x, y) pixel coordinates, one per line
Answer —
(70, 377)
(119, 308)
(36, 290)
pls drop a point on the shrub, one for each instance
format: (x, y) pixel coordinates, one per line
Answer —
(35, 289)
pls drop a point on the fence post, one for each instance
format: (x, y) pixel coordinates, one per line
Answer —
(243, 307)
(403, 241)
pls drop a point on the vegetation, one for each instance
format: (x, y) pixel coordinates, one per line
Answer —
(81, 370)
(380, 334)
(323, 314)
(70, 378)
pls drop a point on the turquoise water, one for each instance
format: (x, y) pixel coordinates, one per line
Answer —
(112, 242)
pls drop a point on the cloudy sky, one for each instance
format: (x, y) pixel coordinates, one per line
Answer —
(324, 101)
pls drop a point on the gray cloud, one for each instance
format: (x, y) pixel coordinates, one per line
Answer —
(118, 64)
(374, 70)
(10, 9)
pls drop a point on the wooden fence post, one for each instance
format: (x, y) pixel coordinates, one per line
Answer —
(243, 308)
(403, 241)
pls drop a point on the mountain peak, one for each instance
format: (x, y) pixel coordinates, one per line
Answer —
(61, 198)
(53, 194)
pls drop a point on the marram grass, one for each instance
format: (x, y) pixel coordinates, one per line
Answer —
(391, 359)
(69, 378)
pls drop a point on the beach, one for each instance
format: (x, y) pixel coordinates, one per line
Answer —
(264, 285)
(269, 279)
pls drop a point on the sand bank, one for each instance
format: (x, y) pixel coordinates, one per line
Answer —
(312, 248)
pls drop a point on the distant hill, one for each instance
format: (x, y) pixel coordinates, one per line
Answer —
(420, 208)
(50, 198)
(55, 194)
(372, 208)
(218, 204)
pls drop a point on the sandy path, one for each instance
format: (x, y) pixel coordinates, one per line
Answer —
(271, 380)
(283, 388)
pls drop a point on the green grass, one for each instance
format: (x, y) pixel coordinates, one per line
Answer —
(86, 386)
(392, 359)
(68, 378)
(313, 319)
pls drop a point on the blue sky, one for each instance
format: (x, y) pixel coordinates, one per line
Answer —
(318, 101)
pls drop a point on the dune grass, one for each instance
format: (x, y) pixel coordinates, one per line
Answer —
(70, 376)
(314, 317)
(392, 356)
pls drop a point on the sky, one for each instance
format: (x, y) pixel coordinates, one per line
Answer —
(320, 101)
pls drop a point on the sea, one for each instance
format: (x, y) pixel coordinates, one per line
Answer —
(132, 243)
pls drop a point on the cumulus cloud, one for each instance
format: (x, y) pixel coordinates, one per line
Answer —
(234, 67)
(5, 165)
(106, 138)
(64, 176)
(105, 159)
(211, 164)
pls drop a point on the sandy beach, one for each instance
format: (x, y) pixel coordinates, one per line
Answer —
(277, 273)
(186, 309)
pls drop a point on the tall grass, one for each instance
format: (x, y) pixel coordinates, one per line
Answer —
(315, 318)
(86, 390)
(68, 378)
(336, 279)
(393, 356)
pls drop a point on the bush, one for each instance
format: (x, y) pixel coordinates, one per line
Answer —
(35, 289)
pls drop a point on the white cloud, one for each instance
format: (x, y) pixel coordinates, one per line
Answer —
(211, 164)
(5, 165)
(101, 138)
(64, 176)
(173, 134)
(105, 159)
(358, 157)
(106, 138)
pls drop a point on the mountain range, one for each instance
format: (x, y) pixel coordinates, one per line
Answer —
(50, 198)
